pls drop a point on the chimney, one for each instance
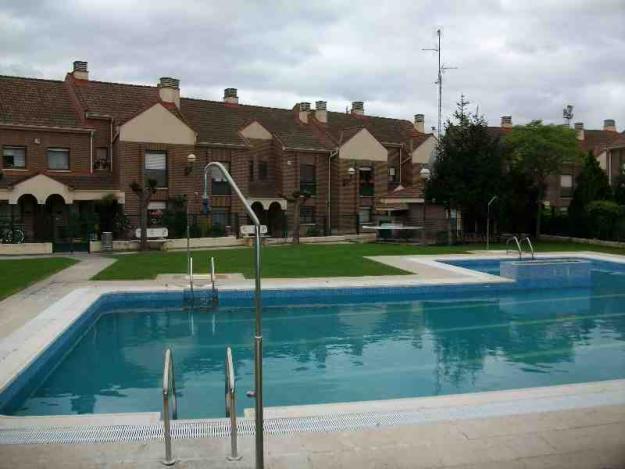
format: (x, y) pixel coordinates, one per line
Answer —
(80, 71)
(230, 96)
(419, 123)
(321, 111)
(169, 90)
(358, 108)
(579, 130)
(609, 125)
(506, 122)
(304, 109)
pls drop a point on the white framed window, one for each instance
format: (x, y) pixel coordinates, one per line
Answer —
(156, 167)
(566, 185)
(102, 162)
(364, 215)
(14, 157)
(58, 159)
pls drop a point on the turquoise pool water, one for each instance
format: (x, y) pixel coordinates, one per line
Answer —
(348, 350)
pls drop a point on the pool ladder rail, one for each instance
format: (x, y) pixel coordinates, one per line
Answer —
(169, 387)
(519, 245)
(201, 298)
(231, 410)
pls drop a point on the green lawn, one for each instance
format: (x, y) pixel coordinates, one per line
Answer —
(17, 274)
(337, 260)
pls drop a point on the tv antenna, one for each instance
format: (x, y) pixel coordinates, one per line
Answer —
(439, 81)
(567, 114)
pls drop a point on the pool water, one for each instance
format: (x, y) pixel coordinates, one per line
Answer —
(344, 351)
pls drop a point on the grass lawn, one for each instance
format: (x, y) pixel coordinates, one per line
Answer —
(17, 274)
(307, 260)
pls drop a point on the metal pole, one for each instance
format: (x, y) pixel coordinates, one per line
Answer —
(188, 242)
(423, 230)
(493, 198)
(258, 338)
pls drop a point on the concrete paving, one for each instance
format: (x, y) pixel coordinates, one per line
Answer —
(584, 438)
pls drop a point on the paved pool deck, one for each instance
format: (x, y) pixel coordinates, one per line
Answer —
(580, 437)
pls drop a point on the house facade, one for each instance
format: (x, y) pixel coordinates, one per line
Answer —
(67, 145)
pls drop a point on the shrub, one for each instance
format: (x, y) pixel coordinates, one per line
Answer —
(603, 216)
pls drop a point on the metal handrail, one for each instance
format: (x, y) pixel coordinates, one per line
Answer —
(169, 387)
(518, 245)
(213, 276)
(231, 410)
(529, 243)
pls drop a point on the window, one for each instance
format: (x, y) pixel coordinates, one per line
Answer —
(156, 167)
(250, 170)
(220, 217)
(262, 170)
(307, 215)
(155, 212)
(308, 178)
(392, 175)
(14, 157)
(219, 184)
(364, 215)
(101, 162)
(58, 158)
(566, 185)
(365, 178)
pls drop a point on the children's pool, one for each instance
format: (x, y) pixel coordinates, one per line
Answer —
(366, 344)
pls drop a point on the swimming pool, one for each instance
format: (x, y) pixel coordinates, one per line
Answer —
(332, 346)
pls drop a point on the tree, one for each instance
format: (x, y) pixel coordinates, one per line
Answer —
(145, 193)
(591, 184)
(468, 167)
(539, 151)
(297, 198)
(619, 189)
(603, 215)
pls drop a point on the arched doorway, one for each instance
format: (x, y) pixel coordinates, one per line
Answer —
(29, 219)
(56, 220)
(276, 221)
(260, 212)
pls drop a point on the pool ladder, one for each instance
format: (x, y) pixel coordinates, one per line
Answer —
(519, 245)
(169, 388)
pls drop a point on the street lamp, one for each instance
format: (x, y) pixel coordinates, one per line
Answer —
(490, 202)
(258, 337)
(425, 176)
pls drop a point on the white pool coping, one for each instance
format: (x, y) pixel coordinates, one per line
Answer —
(21, 348)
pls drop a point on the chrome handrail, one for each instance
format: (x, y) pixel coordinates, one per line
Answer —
(518, 245)
(169, 387)
(231, 410)
(213, 276)
(529, 243)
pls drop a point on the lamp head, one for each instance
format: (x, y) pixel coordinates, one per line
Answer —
(191, 158)
(425, 174)
(351, 171)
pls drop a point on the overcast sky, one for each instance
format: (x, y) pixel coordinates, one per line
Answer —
(523, 58)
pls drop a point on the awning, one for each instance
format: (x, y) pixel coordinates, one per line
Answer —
(392, 208)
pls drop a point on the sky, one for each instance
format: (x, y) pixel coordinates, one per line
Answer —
(527, 59)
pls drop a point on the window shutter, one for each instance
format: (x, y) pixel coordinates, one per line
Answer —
(156, 160)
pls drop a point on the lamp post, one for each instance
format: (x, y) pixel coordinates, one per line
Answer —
(258, 338)
(425, 175)
(187, 171)
(490, 202)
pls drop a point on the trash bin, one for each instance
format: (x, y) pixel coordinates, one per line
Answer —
(107, 241)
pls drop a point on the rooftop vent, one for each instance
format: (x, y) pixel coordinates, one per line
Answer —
(230, 96)
(579, 130)
(358, 107)
(304, 109)
(321, 111)
(610, 125)
(80, 71)
(506, 122)
(419, 123)
(169, 90)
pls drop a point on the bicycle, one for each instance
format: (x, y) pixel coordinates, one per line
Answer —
(10, 235)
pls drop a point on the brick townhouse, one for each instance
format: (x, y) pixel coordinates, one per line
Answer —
(67, 144)
(606, 145)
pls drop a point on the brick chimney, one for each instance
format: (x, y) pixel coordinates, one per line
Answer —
(579, 130)
(80, 71)
(303, 110)
(169, 90)
(230, 96)
(506, 122)
(609, 125)
(419, 123)
(358, 107)
(321, 111)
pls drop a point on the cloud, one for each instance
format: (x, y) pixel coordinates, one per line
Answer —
(527, 59)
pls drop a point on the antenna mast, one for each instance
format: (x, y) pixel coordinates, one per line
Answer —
(439, 82)
(567, 114)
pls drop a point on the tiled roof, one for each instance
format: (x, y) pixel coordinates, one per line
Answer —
(121, 101)
(93, 181)
(218, 122)
(31, 101)
(597, 140)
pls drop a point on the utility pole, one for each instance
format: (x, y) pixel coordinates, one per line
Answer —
(439, 82)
